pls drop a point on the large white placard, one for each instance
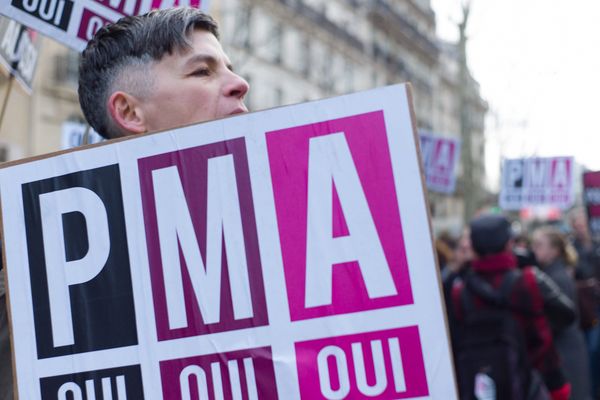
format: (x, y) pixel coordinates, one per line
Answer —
(279, 254)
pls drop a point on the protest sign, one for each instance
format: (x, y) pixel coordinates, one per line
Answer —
(19, 49)
(440, 156)
(537, 181)
(280, 254)
(74, 23)
(73, 134)
(591, 199)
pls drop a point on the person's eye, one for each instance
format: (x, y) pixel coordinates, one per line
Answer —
(201, 72)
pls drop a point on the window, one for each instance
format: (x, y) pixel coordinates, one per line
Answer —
(348, 76)
(305, 50)
(243, 22)
(278, 96)
(276, 41)
(66, 70)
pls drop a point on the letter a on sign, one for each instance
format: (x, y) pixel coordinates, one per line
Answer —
(329, 160)
(337, 211)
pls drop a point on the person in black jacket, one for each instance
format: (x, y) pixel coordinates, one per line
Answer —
(587, 275)
(532, 291)
(558, 260)
(131, 85)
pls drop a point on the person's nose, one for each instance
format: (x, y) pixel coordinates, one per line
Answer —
(236, 86)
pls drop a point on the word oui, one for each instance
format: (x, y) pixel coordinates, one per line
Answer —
(342, 372)
(76, 392)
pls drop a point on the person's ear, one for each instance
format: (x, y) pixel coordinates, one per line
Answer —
(126, 112)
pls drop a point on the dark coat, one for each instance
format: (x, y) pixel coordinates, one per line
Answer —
(569, 340)
(545, 306)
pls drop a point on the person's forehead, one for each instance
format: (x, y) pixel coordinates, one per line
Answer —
(203, 43)
(204, 47)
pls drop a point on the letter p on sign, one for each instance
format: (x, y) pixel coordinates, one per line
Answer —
(61, 273)
(79, 263)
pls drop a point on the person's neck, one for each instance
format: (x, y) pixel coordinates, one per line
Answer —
(495, 262)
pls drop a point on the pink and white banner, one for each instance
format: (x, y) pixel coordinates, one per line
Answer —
(283, 254)
(440, 156)
(591, 199)
(74, 23)
(537, 181)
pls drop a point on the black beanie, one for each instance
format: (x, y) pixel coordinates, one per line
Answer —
(490, 233)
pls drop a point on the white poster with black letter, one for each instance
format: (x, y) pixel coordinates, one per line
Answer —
(537, 181)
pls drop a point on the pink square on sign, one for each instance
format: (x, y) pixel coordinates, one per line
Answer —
(353, 209)
(182, 310)
(377, 365)
(90, 24)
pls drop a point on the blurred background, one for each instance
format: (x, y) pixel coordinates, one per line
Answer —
(505, 79)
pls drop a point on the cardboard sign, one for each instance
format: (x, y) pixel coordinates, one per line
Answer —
(74, 23)
(283, 254)
(19, 49)
(591, 199)
(537, 181)
(440, 156)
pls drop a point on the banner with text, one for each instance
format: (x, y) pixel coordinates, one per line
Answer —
(591, 199)
(19, 49)
(537, 181)
(282, 254)
(74, 23)
(440, 156)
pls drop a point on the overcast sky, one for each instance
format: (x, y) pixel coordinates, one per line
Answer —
(538, 63)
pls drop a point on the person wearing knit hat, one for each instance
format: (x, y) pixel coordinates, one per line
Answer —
(532, 299)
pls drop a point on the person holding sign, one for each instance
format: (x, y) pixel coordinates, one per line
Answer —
(157, 71)
(147, 73)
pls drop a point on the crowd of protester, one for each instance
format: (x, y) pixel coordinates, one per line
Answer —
(545, 282)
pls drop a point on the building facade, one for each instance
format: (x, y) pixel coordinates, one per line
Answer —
(292, 51)
(297, 50)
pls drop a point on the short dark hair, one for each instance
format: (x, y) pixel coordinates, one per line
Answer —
(133, 41)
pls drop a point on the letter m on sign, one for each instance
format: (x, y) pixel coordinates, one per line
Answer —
(338, 216)
(202, 242)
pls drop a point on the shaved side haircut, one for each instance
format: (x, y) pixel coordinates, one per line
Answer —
(120, 57)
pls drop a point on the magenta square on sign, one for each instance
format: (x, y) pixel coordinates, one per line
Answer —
(375, 365)
(244, 374)
(191, 168)
(366, 138)
(90, 24)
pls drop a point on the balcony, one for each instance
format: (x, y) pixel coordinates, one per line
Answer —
(319, 19)
(382, 15)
